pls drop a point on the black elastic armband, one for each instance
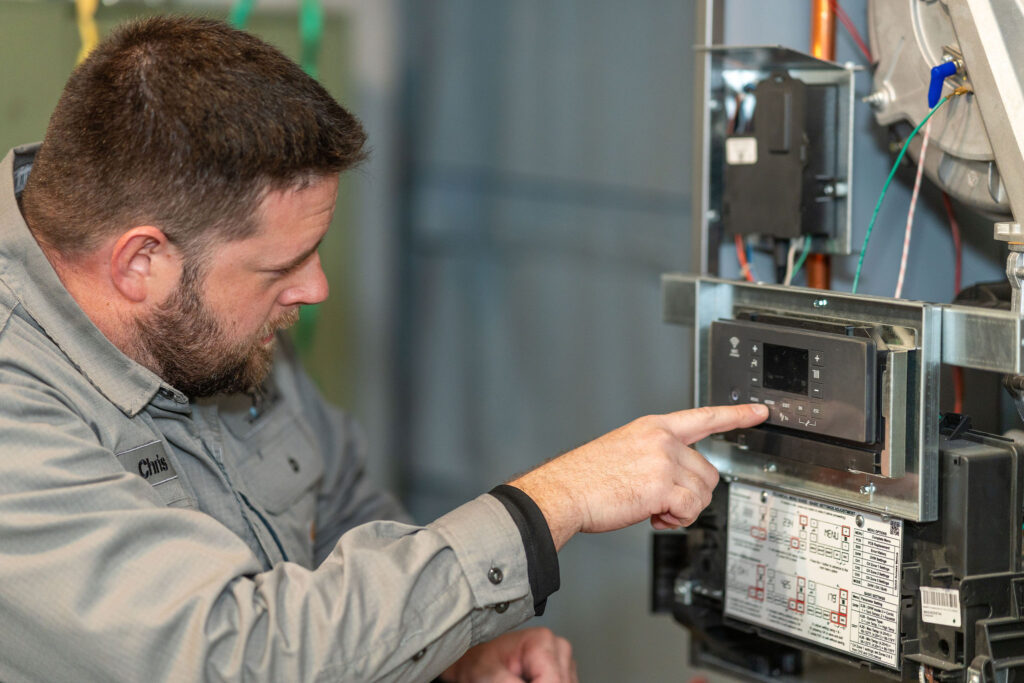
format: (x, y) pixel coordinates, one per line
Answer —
(541, 556)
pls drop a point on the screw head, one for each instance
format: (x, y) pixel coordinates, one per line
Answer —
(820, 303)
(764, 496)
(860, 521)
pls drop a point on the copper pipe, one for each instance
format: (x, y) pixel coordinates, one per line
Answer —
(823, 46)
(823, 30)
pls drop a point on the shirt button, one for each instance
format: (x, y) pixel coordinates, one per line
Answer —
(419, 655)
(495, 576)
(501, 607)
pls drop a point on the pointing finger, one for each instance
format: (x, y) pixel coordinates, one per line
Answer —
(690, 426)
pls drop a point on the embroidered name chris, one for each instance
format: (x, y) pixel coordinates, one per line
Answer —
(150, 466)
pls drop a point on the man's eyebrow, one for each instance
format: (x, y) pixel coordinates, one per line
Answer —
(298, 260)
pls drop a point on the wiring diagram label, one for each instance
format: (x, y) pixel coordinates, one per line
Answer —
(815, 571)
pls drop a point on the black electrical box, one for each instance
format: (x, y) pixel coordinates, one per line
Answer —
(781, 168)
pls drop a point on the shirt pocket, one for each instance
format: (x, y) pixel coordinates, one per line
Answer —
(282, 472)
(284, 465)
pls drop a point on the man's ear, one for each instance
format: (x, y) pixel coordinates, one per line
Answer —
(144, 264)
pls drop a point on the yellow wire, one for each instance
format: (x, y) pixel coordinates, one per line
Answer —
(87, 30)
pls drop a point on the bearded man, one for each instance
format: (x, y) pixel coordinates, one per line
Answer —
(177, 503)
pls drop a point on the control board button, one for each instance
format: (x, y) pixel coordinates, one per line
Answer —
(784, 418)
(816, 374)
(755, 363)
(817, 412)
(755, 348)
(755, 399)
(755, 380)
(817, 358)
(801, 409)
(816, 392)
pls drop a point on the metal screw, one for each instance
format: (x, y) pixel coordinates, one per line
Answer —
(684, 591)
(868, 488)
(877, 99)
(860, 520)
(714, 105)
(770, 467)
(829, 190)
(764, 496)
(975, 677)
(712, 216)
(820, 303)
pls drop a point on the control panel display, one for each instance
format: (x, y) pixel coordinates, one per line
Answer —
(785, 369)
(812, 381)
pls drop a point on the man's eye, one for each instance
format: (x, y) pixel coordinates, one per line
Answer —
(282, 272)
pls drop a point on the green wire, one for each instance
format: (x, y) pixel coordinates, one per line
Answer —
(240, 12)
(803, 257)
(885, 188)
(311, 30)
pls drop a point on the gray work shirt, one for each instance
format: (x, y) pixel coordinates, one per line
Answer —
(144, 537)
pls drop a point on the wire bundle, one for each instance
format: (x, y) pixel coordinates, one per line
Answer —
(910, 214)
(885, 188)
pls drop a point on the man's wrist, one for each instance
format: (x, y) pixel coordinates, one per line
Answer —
(541, 554)
(558, 507)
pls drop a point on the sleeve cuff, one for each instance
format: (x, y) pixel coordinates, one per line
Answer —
(541, 556)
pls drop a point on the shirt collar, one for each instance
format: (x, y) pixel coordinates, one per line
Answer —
(29, 274)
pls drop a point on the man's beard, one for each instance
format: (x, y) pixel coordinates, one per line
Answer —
(185, 344)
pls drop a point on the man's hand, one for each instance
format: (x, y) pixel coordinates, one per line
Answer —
(642, 470)
(533, 654)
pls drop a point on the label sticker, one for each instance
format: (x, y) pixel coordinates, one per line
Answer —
(940, 606)
(741, 151)
(815, 571)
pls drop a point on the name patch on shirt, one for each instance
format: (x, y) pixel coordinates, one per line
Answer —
(149, 462)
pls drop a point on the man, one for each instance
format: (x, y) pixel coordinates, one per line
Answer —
(176, 501)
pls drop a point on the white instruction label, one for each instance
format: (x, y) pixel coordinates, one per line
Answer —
(815, 571)
(740, 151)
(940, 606)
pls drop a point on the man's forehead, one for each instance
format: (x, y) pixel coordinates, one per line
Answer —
(290, 220)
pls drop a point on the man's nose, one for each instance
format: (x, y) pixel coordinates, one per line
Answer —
(310, 288)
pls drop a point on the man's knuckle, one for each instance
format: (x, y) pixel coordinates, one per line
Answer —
(705, 413)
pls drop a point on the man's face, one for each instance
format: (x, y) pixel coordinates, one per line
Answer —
(215, 334)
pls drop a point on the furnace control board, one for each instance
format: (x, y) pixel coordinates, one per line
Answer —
(812, 381)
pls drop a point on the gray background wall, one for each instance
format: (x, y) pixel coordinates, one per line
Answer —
(547, 152)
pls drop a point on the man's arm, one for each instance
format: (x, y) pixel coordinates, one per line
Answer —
(644, 470)
(99, 581)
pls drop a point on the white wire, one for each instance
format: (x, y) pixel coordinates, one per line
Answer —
(910, 214)
(794, 246)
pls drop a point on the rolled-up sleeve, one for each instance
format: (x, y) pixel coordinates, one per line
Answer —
(99, 581)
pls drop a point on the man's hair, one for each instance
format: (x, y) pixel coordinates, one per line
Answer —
(185, 124)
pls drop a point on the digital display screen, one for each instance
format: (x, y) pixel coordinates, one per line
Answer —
(785, 369)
